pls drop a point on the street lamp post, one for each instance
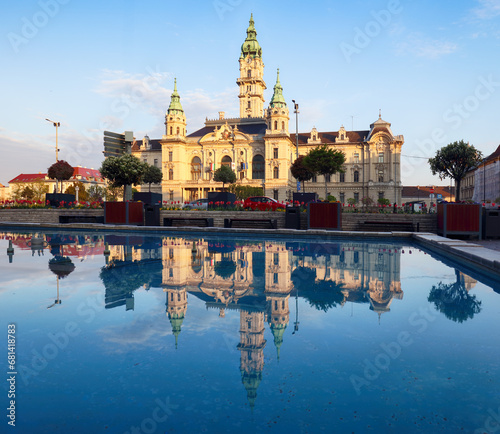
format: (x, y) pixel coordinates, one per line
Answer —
(296, 111)
(484, 182)
(57, 125)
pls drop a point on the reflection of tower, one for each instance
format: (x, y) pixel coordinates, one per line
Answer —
(278, 317)
(176, 306)
(278, 287)
(251, 345)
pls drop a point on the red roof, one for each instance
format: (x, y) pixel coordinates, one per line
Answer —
(82, 172)
(28, 177)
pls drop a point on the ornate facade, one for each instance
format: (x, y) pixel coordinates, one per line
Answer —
(258, 146)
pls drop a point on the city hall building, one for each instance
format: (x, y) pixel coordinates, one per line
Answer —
(260, 149)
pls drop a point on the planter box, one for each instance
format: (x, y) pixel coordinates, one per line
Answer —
(324, 215)
(148, 198)
(459, 219)
(55, 199)
(124, 213)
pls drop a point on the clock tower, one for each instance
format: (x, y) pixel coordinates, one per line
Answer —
(251, 80)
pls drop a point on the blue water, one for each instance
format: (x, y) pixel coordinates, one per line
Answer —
(202, 334)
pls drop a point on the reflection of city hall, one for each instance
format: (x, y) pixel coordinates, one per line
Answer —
(256, 279)
(259, 148)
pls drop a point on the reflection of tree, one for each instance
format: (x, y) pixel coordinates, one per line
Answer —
(124, 276)
(454, 301)
(321, 294)
(225, 268)
(61, 266)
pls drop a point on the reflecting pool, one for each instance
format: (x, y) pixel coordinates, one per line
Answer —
(125, 333)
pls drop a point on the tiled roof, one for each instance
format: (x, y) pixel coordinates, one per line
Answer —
(495, 155)
(28, 177)
(413, 191)
(329, 137)
(83, 172)
(155, 145)
(252, 128)
(86, 173)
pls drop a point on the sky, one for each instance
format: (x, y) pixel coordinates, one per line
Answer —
(431, 68)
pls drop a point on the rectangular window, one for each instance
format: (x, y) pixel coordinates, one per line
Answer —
(327, 178)
(380, 157)
(275, 194)
(275, 279)
(171, 195)
(342, 177)
(356, 197)
(342, 197)
(314, 178)
(170, 156)
(275, 153)
(380, 194)
(145, 160)
(156, 162)
(381, 176)
(356, 158)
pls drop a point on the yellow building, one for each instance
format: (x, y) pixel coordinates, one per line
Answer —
(258, 146)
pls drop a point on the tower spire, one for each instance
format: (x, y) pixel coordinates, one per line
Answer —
(278, 100)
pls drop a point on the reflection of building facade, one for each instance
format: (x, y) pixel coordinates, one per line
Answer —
(259, 148)
(256, 279)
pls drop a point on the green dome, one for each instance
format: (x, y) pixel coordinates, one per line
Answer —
(175, 106)
(251, 46)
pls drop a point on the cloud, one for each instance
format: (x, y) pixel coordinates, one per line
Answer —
(426, 47)
(487, 9)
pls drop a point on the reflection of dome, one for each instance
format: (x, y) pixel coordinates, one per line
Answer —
(61, 266)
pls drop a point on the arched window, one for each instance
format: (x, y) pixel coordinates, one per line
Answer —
(178, 130)
(283, 125)
(275, 125)
(258, 167)
(381, 176)
(276, 172)
(195, 168)
(171, 130)
(356, 176)
(171, 174)
(226, 161)
(249, 73)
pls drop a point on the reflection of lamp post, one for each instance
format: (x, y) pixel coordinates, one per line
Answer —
(10, 251)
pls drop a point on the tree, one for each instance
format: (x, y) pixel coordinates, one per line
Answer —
(96, 193)
(61, 171)
(152, 175)
(225, 175)
(83, 195)
(454, 161)
(123, 171)
(323, 160)
(300, 172)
